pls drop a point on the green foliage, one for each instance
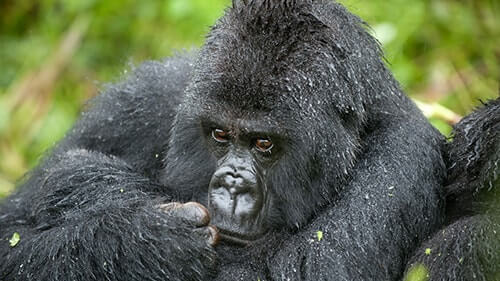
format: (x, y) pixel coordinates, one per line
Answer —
(14, 240)
(445, 52)
(319, 235)
(417, 272)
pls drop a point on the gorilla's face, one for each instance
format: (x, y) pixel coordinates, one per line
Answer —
(240, 154)
(239, 198)
(262, 169)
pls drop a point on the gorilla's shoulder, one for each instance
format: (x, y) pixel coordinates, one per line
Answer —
(131, 118)
(153, 87)
(162, 79)
(168, 76)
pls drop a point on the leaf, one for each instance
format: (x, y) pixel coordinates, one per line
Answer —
(319, 234)
(428, 251)
(14, 240)
(417, 272)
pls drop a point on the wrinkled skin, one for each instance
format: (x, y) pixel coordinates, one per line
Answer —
(282, 150)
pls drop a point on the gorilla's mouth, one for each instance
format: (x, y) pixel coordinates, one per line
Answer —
(239, 239)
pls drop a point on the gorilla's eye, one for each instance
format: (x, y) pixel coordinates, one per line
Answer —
(220, 135)
(263, 145)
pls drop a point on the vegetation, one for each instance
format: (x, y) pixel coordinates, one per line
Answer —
(54, 54)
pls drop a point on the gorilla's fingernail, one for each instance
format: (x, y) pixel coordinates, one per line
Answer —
(169, 206)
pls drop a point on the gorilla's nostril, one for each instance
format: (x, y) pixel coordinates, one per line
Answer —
(231, 180)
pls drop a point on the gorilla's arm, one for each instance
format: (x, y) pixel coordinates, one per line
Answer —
(391, 202)
(87, 216)
(89, 212)
(468, 248)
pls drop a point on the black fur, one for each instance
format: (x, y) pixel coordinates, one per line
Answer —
(468, 247)
(361, 164)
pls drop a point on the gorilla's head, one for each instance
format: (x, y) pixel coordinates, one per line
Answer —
(272, 120)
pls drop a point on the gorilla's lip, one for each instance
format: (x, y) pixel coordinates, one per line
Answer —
(241, 239)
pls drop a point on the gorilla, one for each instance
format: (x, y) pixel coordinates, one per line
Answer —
(283, 149)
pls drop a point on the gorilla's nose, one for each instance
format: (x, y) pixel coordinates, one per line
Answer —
(235, 184)
(235, 181)
(231, 180)
(234, 193)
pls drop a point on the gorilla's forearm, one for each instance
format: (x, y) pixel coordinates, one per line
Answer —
(467, 249)
(391, 204)
(88, 216)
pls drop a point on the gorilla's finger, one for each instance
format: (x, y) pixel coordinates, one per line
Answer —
(192, 211)
(210, 233)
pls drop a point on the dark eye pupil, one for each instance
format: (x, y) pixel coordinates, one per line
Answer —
(220, 135)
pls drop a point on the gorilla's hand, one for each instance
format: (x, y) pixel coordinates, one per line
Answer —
(195, 214)
(92, 208)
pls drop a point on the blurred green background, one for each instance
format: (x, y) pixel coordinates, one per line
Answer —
(55, 53)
